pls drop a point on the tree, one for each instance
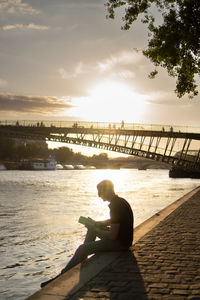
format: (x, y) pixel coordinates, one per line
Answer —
(100, 157)
(173, 44)
(8, 148)
(63, 154)
(31, 150)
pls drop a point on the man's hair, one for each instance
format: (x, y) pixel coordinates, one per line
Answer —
(106, 186)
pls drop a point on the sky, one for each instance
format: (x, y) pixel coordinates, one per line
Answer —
(64, 60)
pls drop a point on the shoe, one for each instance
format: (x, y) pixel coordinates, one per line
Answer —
(48, 281)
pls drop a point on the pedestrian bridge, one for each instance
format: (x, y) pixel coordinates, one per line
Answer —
(177, 146)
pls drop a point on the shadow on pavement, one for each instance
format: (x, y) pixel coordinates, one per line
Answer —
(119, 280)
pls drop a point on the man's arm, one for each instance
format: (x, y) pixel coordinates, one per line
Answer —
(103, 223)
(110, 234)
(89, 222)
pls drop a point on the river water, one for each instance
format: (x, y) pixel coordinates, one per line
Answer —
(39, 212)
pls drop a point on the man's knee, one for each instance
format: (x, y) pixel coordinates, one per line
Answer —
(81, 250)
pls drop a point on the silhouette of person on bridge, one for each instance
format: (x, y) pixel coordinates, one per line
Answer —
(115, 234)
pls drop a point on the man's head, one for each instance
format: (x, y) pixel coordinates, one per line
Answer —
(106, 190)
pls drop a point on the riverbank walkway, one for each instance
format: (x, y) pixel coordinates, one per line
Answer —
(163, 263)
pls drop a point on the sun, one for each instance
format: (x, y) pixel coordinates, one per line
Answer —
(111, 101)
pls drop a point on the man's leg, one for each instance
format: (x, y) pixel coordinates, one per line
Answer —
(81, 252)
(91, 248)
(90, 236)
(78, 256)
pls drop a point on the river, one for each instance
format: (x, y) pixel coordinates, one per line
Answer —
(39, 212)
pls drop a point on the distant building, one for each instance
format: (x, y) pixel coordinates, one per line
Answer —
(39, 164)
(24, 142)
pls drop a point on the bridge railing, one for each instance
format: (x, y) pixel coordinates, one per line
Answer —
(101, 125)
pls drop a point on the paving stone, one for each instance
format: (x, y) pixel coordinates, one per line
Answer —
(180, 292)
(158, 285)
(114, 283)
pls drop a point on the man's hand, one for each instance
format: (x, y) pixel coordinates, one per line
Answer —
(110, 234)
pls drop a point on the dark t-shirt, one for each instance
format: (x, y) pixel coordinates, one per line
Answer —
(121, 213)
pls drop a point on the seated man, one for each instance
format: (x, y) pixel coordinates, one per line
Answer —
(115, 234)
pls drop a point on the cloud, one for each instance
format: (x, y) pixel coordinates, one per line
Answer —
(117, 66)
(84, 4)
(77, 71)
(124, 58)
(72, 27)
(3, 82)
(9, 27)
(17, 7)
(169, 98)
(124, 74)
(122, 65)
(37, 27)
(33, 104)
(29, 26)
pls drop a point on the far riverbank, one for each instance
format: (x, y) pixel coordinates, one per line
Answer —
(108, 163)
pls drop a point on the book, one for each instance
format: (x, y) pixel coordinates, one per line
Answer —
(88, 222)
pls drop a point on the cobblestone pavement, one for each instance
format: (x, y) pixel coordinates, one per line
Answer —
(164, 264)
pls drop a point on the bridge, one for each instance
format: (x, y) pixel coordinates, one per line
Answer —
(177, 146)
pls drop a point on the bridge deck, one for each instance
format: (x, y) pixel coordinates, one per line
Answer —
(166, 144)
(99, 130)
(102, 125)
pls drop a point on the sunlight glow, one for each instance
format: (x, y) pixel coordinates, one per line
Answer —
(110, 102)
(119, 178)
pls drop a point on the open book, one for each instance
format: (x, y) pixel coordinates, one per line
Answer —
(88, 222)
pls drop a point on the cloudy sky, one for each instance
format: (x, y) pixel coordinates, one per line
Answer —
(63, 60)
